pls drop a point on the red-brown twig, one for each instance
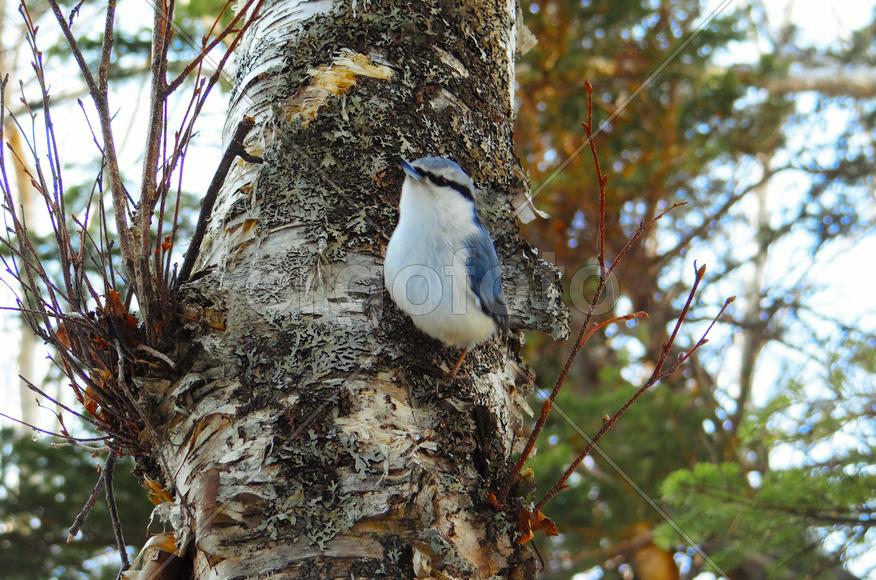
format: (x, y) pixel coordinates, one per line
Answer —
(657, 375)
(601, 179)
(588, 327)
(586, 334)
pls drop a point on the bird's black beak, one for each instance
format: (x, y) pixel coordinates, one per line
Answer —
(410, 170)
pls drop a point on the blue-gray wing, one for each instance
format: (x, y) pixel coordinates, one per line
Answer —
(485, 276)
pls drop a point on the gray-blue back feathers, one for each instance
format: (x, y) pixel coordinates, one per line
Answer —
(485, 276)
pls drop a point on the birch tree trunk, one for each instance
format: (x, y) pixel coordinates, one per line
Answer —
(313, 432)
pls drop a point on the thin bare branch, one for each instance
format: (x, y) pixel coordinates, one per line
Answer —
(588, 328)
(46, 396)
(101, 103)
(157, 97)
(83, 514)
(52, 433)
(657, 375)
(208, 47)
(234, 149)
(113, 510)
(107, 48)
(601, 179)
(87, 75)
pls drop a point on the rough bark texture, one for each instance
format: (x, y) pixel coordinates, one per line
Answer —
(313, 433)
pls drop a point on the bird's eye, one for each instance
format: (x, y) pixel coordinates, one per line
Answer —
(441, 181)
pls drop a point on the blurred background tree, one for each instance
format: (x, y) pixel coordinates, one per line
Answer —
(762, 450)
(768, 137)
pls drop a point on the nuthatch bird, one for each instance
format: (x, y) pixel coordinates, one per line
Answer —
(441, 266)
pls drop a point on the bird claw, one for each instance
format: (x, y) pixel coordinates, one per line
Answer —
(452, 374)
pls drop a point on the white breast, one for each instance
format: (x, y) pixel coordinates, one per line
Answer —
(425, 271)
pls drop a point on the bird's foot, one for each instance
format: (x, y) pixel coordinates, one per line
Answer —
(456, 367)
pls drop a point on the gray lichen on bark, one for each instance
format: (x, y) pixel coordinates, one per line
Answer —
(313, 433)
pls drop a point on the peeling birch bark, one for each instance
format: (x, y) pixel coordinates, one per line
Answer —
(313, 433)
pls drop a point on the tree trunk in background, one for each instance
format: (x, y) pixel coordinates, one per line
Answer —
(838, 81)
(313, 433)
(27, 343)
(754, 335)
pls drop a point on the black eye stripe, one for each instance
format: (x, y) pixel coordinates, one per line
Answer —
(463, 190)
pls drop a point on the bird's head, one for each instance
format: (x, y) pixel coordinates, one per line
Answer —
(440, 181)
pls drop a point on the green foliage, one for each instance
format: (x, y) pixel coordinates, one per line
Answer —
(781, 519)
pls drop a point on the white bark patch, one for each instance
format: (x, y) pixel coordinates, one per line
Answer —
(525, 208)
(526, 40)
(422, 564)
(254, 95)
(468, 534)
(281, 23)
(280, 555)
(452, 62)
(329, 81)
(445, 99)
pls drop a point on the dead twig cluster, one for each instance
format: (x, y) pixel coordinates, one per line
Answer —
(146, 249)
(101, 290)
